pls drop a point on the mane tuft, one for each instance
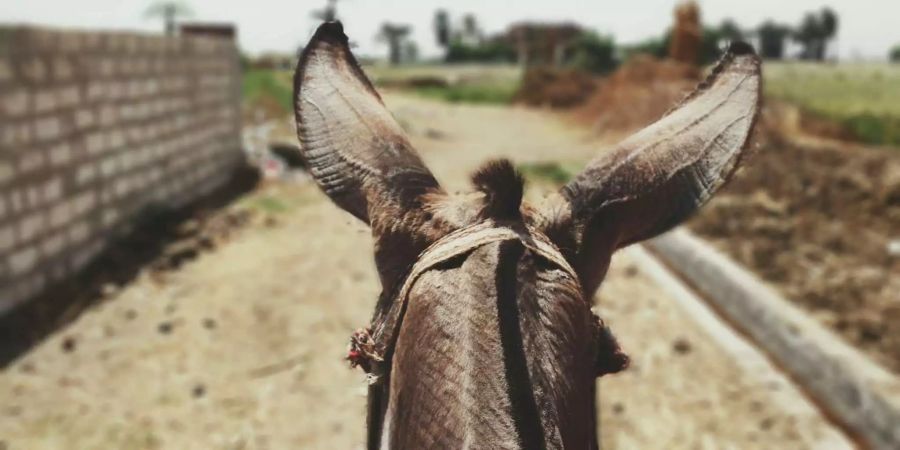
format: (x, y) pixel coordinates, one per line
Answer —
(502, 186)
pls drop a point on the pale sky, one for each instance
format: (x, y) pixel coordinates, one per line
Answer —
(868, 28)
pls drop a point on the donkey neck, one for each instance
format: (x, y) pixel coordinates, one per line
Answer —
(478, 361)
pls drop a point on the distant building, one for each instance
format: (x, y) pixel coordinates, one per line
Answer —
(222, 30)
(539, 44)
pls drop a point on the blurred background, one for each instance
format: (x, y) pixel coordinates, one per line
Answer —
(171, 278)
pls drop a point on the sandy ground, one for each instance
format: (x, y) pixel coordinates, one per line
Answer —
(242, 348)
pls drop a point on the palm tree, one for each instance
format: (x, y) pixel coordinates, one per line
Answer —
(730, 31)
(394, 35)
(829, 21)
(471, 34)
(442, 27)
(328, 13)
(169, 11)
(809, 34)
(771, 39)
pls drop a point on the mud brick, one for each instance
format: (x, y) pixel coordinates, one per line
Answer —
(7, 237)
(31, 226)
(60, 153)
(16, 102)
(61, 214)
(34, 70)
(23, 260)
(47, 129)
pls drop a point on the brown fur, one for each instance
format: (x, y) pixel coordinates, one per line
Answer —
(494, 344)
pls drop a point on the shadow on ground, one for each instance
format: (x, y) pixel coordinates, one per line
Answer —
(160, 240)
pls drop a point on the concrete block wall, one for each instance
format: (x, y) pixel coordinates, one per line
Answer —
(95, 129)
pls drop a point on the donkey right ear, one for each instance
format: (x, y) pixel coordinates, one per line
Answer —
(658, 177)
(353, 147)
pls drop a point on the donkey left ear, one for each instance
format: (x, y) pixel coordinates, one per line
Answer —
(355, 150)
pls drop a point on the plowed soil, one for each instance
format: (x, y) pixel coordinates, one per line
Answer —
(817, 218)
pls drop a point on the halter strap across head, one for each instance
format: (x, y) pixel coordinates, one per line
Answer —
(385, 331)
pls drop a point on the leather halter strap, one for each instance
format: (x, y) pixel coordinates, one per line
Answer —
(385, 331)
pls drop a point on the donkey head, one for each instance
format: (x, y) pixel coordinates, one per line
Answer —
(483, 333)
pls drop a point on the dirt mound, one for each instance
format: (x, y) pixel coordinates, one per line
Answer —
(639, 92)
(687, 33)
(557, 88)
(821, 223)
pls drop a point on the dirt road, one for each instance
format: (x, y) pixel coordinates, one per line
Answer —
(242, 348)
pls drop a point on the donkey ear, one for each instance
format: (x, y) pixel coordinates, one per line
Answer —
(656, 178)
(353, 147)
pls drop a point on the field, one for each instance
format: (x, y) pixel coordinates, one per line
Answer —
(462, 83)
(267, 93)
(864, 99)
(242, 346)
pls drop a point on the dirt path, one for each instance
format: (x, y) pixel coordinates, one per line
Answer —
(242, 348)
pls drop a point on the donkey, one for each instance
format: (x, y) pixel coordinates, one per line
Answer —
(483, 335)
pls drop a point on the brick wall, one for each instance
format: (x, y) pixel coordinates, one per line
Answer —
(95, 129)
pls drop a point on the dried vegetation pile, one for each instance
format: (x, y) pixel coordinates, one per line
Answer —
(638, 93)
(557, 88)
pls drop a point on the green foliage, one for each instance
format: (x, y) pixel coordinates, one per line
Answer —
(548, 172)
(471, 93)
(895, 54)
(459, 83)
(864, 98)
(709, 46)
(730, 30)
(442, 27)
(267, 85)
(269, 204)
(395, 35)
(594, 53)
(493, 51)
(771, 39)
(874, 129)
(657, 46)
(815, 31)
(244, 61)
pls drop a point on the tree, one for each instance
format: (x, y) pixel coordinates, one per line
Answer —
(471, 34)
(442, 28)
(895, 54)
(656, 46)
(771, 39)
(710, 51)
(594, 53)
(169, 11)
(809, 34)
(394, 35)
(829, 24)
(495, 50)
(730, 31)
(328, 13)
(410, 52)
(815, 31)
